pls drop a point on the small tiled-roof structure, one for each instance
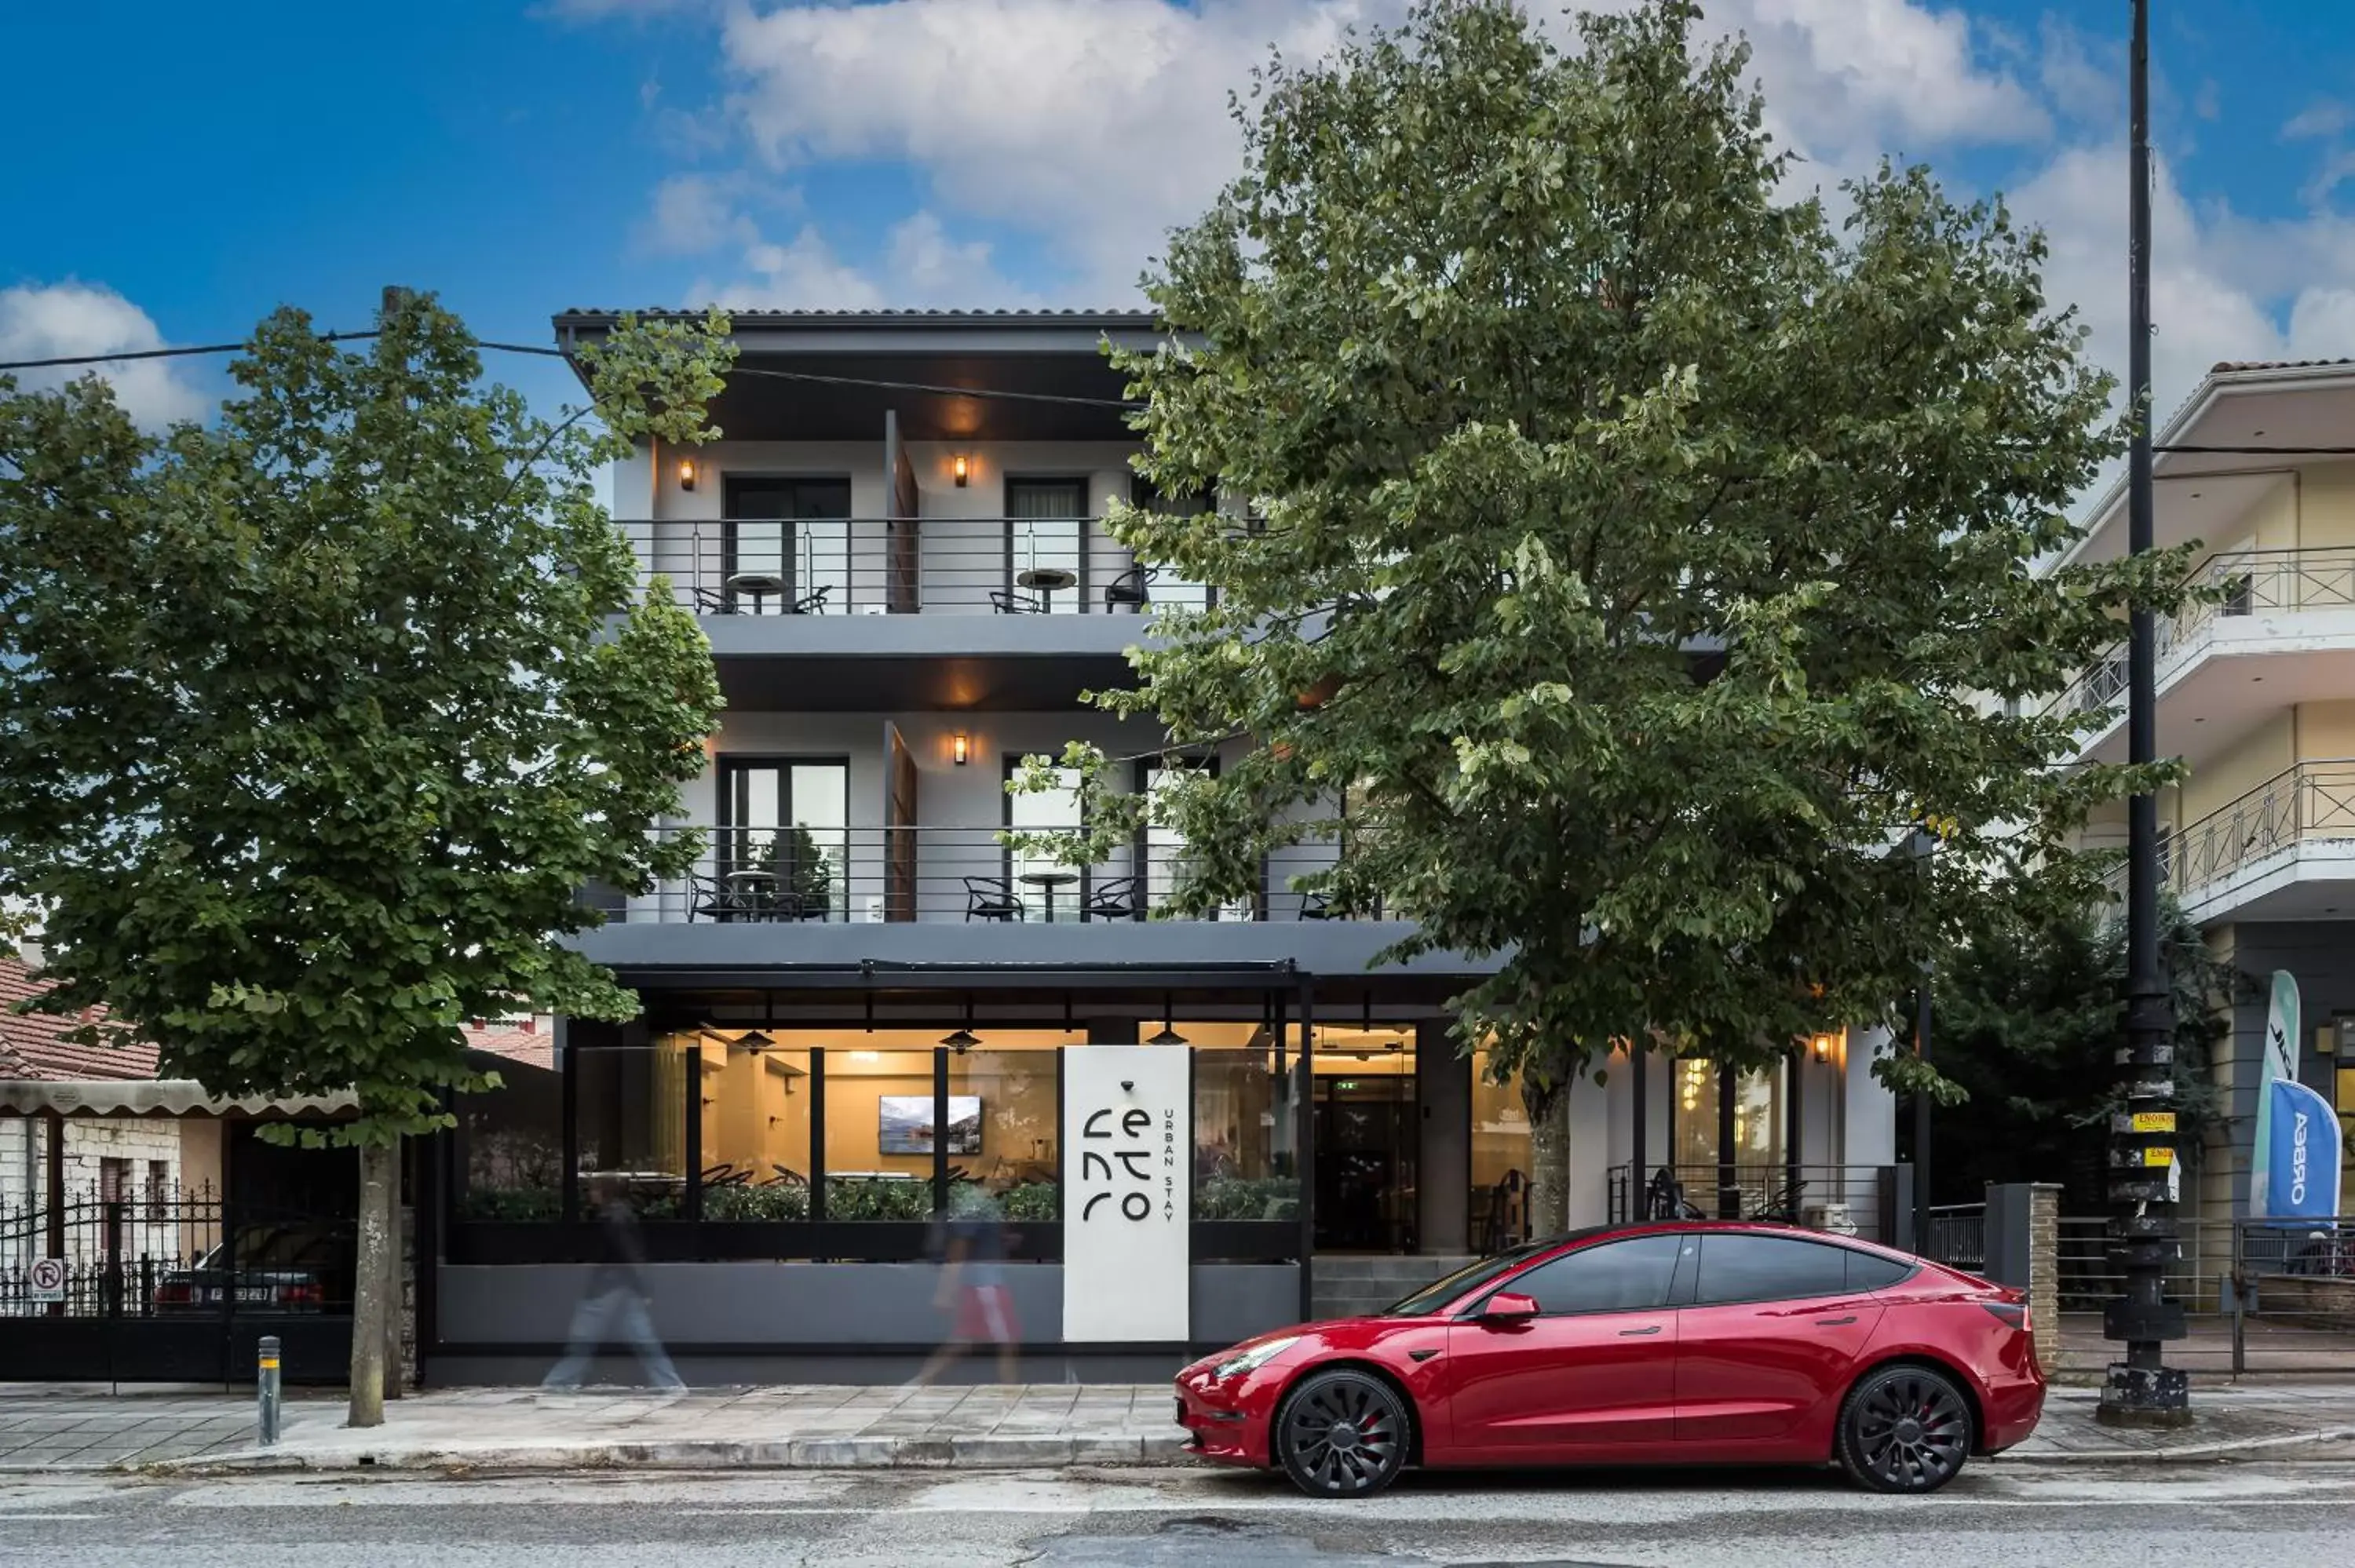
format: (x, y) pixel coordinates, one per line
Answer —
(524, 1041)
(31, 1046)
(2228, 367)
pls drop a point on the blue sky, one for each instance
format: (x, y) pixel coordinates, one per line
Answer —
(180, 169)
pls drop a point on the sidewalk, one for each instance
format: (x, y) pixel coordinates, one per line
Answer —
(1037, 1426)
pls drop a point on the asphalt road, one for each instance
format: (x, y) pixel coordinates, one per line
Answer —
(2216, 1516)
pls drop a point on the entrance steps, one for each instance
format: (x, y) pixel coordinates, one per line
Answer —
(1350, 1286)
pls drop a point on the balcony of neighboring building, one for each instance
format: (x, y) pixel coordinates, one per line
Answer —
(2283, 850)
(2275, 629)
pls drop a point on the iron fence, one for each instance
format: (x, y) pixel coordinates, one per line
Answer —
(879, 566)
(1842, 1200)
(771, 875)
(170, 1252)
(1958, 1236)
(2239, 584)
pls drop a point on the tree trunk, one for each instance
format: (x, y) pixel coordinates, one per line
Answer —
(369, 1306)
(1548, 1111)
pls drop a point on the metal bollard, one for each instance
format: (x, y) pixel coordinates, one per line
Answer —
(268, 1386)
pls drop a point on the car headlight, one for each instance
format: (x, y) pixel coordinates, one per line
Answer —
(1251, 1359)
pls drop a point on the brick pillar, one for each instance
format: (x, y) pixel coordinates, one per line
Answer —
(2044, 1272)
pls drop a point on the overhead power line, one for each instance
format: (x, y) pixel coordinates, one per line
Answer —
(1003, 394)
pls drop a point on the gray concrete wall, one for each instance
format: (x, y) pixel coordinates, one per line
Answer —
(1443, 1170)
(744, 1306)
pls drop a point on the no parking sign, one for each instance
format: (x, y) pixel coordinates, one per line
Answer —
(45, 1279)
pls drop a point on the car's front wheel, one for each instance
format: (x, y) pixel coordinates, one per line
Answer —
(1904, 1429)
(1342, 1434)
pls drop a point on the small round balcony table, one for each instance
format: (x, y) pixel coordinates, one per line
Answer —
(759, 584)
(1047, 883)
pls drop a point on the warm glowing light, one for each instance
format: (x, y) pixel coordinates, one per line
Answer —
(687, 474)
(962, 468)
(959, 748)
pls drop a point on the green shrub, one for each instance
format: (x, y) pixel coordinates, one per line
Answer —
(1248, 1198)
(511, 1204)
(1030, 1202)
(857, 1199)
(779, 1201)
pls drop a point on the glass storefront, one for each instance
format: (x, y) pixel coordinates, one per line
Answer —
(1500, 1158)
(756, 1127)
(1757, 1153)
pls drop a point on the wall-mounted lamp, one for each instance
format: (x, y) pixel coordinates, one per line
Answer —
(961, 468)
(1823, 1044)
(959, 748)
(687, 474)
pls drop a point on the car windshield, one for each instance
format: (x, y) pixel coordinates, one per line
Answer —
(1440, 1292)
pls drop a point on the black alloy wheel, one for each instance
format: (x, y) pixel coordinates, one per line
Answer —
(1904, 1429)
(1342, 1434)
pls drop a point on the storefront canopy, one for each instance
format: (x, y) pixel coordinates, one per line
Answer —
(157, 1097)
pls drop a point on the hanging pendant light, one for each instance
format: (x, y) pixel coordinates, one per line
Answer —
(963, 1039)
(1168, 1035)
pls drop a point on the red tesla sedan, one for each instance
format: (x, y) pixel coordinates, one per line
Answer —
(1663, 1343)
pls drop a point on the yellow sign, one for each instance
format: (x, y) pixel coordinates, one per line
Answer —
(2153, 1121)
(2158, 1156)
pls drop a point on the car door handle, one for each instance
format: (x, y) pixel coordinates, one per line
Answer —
(1835, 1322)
(1637, 1333)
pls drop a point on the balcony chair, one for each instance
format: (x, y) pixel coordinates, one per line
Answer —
(713, 601)
(709, 898)
(992, 898)
(1130, 588)
(1113, 899)
(1013, 601)
(812, 603)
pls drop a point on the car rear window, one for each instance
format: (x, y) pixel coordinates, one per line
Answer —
(1867, 1271)
(1768, 1269)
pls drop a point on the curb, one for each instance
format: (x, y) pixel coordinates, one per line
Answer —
(2179, 1453)
(689, 1454)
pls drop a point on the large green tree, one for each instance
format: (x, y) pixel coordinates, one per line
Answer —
(2026, 1019)
(1645, 550)
(317, 717)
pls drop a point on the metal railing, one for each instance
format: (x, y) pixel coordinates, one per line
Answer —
(169, 1253)
(1958, 1236)
(2090, 1276)
(2243, 583)
(1844, 1199)
(763, 876)
(876, 565)
(2311, 802)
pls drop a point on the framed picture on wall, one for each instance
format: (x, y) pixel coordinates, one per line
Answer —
(905, 1124)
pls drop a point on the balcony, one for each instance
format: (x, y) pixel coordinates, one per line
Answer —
(860, 613)
(2285, 851)
(2268, 604)
(847, 896)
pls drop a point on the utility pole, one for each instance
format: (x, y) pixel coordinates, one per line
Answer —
(2142, 1389)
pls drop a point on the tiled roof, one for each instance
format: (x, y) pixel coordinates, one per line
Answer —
(2226, 367)
(1066, 314)
(522, 1042)
(29, 1047)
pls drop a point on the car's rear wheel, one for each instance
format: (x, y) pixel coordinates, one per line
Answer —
(1904, 1429)
(1342, 1434)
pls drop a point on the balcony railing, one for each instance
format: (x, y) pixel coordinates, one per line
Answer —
(2311, 803)
(2250, 582)
(761, 875)
(873, 566)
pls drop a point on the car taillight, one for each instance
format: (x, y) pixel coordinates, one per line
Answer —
(173, 1293)
(306, 1294)
(2015, 1313)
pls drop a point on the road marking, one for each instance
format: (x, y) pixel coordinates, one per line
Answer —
(36, 1518)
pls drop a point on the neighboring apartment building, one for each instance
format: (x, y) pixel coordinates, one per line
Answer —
(907, 590)
(2256, 693)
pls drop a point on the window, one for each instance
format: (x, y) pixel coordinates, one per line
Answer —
(793, 532)
(633, 1134)
(1500, 1158)
(1244, 1166)
(783, 838)
(113, 1179)
(1866, 1272)
(756, 1125)
(159, 1186)
(1616, 1277)
(1768, 1269)
(1055, 809)
(1010, 1095)
(1164, 845)
(1045, 528)
(880, 1137)
(1471, 1276)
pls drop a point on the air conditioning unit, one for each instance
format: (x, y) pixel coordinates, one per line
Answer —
(1833, 1219)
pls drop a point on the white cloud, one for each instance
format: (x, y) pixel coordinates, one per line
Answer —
(920, 265)
(693, 214)
(2323, 117)
(57, 320)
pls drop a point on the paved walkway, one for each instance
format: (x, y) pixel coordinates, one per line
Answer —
(841, 1427)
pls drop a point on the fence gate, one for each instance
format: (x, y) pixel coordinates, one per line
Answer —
(173, 1285)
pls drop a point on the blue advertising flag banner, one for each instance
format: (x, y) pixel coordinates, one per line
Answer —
(2304, 1154)
(2277, 1063)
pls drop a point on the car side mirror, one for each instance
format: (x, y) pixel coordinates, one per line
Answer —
(1508, 1307)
